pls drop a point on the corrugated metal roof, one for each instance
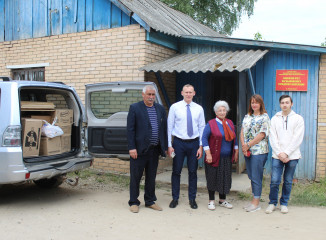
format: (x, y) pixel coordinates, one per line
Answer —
(208, 62)
(167, 20)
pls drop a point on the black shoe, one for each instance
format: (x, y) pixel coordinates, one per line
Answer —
(173, 203)
(193, 204)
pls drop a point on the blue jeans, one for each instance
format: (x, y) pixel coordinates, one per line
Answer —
(277, 170)
(255, 169)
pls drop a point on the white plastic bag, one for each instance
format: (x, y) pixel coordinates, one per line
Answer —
(50, 130)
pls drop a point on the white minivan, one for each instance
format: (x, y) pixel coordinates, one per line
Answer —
(97, 131)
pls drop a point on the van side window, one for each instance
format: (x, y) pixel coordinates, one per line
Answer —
(106, 103)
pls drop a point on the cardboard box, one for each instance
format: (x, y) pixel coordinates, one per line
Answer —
(65, 143)
(64, 117)
(31, 136)
(50, 146)
(47, 118)
(36, 106)
(62, 121)
(66, 129)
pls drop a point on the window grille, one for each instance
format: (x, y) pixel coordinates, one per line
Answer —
(29, 74)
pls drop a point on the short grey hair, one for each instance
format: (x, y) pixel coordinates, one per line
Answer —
(221, 103)
(148, 87)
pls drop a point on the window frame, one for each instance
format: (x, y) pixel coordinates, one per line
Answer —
(33, 74)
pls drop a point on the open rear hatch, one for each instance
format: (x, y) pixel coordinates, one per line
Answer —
(107, 106)
(40, 104)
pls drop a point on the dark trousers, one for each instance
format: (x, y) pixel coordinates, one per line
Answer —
(182, 149)
(212, 195)
(149, 163)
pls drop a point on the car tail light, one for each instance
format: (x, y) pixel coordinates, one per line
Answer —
(12, 137)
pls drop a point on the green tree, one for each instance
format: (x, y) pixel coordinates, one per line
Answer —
(258, 36)
(221, 15)
(323, 44)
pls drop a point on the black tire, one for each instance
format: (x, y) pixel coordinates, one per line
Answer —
(50, 182)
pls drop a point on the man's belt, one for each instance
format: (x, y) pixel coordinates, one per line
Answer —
(187, 140)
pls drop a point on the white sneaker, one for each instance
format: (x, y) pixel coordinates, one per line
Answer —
(253, 208)
(284, 209)
(270, 208)
(226, 205)
(211, 205)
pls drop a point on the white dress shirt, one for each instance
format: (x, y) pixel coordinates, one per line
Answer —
(177, 121)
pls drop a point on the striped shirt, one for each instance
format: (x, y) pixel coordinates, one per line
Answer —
(153, 120)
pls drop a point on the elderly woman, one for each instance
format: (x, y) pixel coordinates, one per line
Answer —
(221, 148)
(254, 142)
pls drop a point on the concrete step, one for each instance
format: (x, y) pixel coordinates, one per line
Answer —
(240, 182)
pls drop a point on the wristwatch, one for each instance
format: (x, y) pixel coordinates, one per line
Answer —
(248, 145)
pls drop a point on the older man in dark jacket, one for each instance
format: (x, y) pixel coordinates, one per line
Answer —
(147, 139)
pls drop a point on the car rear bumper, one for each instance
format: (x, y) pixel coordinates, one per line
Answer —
(44, 170)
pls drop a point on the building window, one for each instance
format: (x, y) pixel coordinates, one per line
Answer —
(29, 74)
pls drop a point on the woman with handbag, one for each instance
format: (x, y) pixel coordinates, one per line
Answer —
(254, 142)
(221, 149)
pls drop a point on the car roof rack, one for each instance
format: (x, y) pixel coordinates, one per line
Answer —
(5, 79)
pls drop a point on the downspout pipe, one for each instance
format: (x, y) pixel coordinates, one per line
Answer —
(252, 86)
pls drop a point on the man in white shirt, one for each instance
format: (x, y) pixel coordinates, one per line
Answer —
(186, 122)
(286, 135)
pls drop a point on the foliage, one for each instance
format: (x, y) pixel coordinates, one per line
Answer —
(323, 44)
(258, 36)
(221, 15)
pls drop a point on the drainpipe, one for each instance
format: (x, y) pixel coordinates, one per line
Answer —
(252, 86)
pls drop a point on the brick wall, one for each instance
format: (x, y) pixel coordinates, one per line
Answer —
(321, 133)
(156, 53)
(89, 57)
(117, 165)
(82, 58)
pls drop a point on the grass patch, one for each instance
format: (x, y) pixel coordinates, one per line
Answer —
(84, 174)
(303, 193)
(309, 194)
(103, 177)
(244, 196)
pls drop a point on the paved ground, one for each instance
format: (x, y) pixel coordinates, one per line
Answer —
(240, 182)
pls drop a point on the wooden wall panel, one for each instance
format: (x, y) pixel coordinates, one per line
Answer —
(38, 18)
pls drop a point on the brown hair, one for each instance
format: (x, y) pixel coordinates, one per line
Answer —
(259, 100)
(285, 96)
